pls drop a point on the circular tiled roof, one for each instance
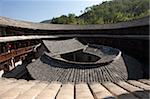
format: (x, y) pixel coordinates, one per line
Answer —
(113, 67)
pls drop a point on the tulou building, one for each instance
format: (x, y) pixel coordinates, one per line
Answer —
(54, 61)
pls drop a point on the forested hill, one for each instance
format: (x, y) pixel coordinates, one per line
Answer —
(107, 12)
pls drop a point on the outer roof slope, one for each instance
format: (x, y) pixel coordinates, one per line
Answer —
(41, 26)
(48, 69)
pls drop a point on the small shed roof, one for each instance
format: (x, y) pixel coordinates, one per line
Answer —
(57, 47)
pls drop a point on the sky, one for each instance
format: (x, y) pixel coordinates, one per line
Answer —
(39, 10)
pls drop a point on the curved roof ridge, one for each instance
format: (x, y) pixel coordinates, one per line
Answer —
(4, 21)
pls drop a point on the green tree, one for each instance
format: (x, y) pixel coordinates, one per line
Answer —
(107, 12)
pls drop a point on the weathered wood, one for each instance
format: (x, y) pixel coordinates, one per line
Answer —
(66, 92)
(100, 92)
(50, 91)
(83, 92)
(135, 90)
(118, 91)
(139, 84)
(146, 81)
(6, 81)
(33, 91)
(9, 85)
(14, 92)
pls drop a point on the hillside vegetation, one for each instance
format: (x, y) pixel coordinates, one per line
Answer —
(107, 12)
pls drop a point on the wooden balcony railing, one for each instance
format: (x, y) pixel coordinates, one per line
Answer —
(14, 53)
